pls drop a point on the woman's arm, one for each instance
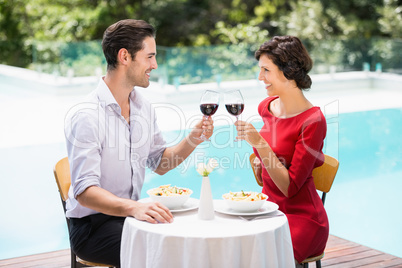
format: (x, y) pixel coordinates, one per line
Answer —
(307, 153)
(276, 170)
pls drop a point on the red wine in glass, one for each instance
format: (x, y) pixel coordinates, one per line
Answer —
(234, 103)
(209, 109)
(209, 103)
(235, 108)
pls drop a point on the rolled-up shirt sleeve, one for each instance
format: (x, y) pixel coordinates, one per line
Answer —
(84, 151)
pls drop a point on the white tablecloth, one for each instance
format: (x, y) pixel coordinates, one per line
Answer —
(226, 241)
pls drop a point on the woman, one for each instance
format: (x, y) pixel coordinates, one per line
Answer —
(290, 143)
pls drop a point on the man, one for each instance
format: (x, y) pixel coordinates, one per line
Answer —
(110, 140)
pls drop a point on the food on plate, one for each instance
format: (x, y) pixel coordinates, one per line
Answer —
(170, 196)
(167, 190)
(245, 201)
(244, 196)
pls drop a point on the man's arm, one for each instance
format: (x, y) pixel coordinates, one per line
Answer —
(105, 202)
(83, 140)
(175, 155)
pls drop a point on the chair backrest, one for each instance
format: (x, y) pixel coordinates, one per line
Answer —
(63, 179)
(252, 157)
(62, 175)
(323, 175)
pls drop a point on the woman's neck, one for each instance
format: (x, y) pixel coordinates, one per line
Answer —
(290, 104)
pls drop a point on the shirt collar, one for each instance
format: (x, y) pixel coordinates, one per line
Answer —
(105, 95)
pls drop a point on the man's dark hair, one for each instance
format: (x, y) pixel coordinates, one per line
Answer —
(128, 34)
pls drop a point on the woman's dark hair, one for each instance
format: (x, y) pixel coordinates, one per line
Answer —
(291, 57)
(128, 34)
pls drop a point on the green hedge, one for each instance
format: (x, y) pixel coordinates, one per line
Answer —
(186, 65)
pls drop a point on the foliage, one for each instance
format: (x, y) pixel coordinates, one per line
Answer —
(14, 48)
(207, 64)
(81, 58)
(43, 32)
(388, 53)
(390, 22)
(307, 20)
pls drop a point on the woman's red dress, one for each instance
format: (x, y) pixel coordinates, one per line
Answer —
(297, 142)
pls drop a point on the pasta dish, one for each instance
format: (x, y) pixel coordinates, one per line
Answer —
(244, 196)
(167, 190)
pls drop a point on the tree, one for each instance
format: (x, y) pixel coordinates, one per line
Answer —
(390, 22)
(26, 26)
(13, 48)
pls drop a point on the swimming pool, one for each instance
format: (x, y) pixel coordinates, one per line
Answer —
(362, 206)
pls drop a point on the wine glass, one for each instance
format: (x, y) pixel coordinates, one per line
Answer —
(209, 103)
(234, 103)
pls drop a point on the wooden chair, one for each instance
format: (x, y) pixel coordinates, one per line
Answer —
(323, 178)
(63, 180)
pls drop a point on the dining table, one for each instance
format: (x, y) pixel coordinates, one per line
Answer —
(230, 239)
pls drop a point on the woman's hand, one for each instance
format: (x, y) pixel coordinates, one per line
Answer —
(246, 131)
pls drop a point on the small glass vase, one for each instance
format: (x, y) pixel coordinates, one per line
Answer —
(206, 207)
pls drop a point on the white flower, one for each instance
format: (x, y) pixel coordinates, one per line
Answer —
(212, 164)
(201, 168)
(204, 170)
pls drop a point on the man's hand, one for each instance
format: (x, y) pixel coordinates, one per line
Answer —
(205, 126)
(153, 212)
(107, 203)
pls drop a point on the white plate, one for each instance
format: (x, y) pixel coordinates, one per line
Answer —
(221, 207)
(191, 203)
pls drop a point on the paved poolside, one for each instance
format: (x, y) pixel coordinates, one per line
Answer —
(338, 253)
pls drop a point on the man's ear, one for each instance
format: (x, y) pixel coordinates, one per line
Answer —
(123, 56)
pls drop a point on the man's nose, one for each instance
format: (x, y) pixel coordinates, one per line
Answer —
(154, 64)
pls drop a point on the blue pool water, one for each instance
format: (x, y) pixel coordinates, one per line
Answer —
(363, 205)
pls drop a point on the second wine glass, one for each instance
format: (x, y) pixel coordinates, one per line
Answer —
(234, 103)
(209, 104)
